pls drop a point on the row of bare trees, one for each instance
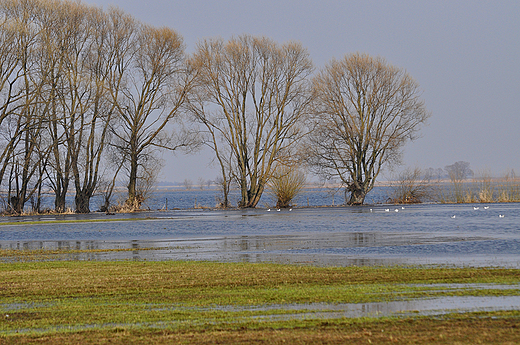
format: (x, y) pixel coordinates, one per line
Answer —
(83, 92)
(87, 94)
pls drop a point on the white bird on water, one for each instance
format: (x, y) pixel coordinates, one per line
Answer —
(278, 210)
(453, 216)
(387, 210)
(396, 210)
(475, 208)
(268, 210)
(486, 207)
(500, 216)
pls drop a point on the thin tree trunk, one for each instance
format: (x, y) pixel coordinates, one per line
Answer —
(132, 183)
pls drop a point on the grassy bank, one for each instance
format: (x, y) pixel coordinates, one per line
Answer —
(158, 302)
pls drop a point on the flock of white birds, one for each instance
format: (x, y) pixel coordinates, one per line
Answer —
(475, 208)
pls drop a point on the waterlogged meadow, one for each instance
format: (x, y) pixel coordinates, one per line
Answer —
(121, 301)
(384, 274)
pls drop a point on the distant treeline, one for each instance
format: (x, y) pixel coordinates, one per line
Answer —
(461, 186)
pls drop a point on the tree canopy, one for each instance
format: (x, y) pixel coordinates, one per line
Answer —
(88, 94)
(365, 110)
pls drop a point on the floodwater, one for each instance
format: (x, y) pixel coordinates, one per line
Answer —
(428, 234)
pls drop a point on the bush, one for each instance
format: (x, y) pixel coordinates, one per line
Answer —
(410, 188)
(285, 184)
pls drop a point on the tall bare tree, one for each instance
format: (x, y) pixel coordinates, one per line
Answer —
(365, 111)
(10, 78)
(17, 41)
(108, 33)
(155, 88)
(74, 89)
(85, 53)
(250, 98)
(54, 46)
(22, 124)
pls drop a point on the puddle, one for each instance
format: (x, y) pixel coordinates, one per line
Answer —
(419, 307)
(434, 306)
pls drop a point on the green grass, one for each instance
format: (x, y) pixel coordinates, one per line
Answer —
(52, 301)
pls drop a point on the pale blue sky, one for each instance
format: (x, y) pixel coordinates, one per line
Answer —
(465, 55)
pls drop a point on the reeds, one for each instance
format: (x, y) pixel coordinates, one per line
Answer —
(410, 186)
(483, 189)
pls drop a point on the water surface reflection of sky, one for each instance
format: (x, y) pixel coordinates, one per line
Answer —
(369, 235)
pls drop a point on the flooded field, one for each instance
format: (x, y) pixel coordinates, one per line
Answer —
(456, 235)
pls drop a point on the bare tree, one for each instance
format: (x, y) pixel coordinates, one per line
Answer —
(365, 111)
(75, 92)
(108, 33)
(458, 172)
(11, 55)
(187, 183)
(411, 187)
(201, 182)
(78, 57)
(154, 89)
(22, 124)
(251, 97)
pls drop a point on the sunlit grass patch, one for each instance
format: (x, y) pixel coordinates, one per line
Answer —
(50, 299)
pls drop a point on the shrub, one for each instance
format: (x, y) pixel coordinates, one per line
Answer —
(410, 188)
(285, 184)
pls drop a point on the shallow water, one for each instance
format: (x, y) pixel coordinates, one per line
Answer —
(368, 235)
(176, 198)
(416, 307)
(432, 306)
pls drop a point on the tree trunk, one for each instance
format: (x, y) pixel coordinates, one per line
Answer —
(244, 191)
(254, 196)
(82, 200)
(225, 192)
(357, 196)
(132, 183)
(60, 195)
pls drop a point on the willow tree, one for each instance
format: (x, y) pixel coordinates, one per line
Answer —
(148, 99)
(365, 111)
(10, 77)
(251, 96)
(20, 108)
(80, 59)
(11, 58)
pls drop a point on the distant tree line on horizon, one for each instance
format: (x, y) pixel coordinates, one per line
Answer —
(465, 186)
(89, 97)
